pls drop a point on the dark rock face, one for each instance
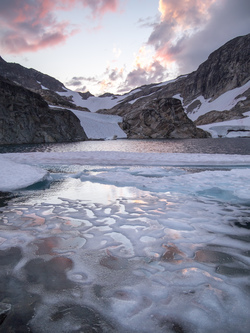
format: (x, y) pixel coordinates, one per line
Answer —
(26, 118)
(161, 118)
(225, 69)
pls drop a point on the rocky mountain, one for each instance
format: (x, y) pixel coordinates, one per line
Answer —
(25, 117)
(218, 91)
(170, 120)
(216, 97)
(45, 85)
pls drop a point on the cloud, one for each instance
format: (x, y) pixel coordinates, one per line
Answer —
(152, 73)
(190, 30)
(75, 81)
(100, 7)
(31, 25)
(78, 81)
(114, 74)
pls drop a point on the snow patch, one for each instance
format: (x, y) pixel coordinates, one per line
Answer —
(229, 129)
(225, 101)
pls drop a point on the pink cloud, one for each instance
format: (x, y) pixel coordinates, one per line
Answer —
(179, 20)
(190, 30)
(32, 25)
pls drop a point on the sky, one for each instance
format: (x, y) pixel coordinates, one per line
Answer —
(117, 45)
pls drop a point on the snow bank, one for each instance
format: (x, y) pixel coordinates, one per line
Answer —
(229, 129)
(15, 175)
(225, 101)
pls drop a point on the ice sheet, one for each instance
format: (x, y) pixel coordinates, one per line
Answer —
(131, 249)
(15, 175)
(17, 172)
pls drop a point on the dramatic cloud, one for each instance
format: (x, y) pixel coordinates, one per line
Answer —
(228, 19)
(179, 20)
(31, 25)
(190, 30)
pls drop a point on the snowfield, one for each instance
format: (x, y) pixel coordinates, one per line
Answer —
(100, 126)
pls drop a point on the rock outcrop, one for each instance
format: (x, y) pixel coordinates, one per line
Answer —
(161, 118)
(26, 118)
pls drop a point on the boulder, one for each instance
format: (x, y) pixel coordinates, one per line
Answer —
(158, 119)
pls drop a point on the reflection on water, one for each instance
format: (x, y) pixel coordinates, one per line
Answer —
(86, 257)
(205, 146)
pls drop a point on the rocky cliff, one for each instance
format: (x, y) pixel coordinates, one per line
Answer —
(26, 118)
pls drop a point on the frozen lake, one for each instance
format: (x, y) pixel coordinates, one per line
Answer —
(134, 244)
(193, 146)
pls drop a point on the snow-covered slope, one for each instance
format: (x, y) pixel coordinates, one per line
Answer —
(95, 103)
(100, 126)
(225, 101)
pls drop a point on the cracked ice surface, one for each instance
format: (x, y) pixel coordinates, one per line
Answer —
(130, 249)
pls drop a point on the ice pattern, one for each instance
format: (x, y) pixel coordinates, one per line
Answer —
(130, 249)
